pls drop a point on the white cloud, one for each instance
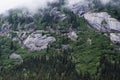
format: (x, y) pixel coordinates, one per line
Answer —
(71, 2)
(29, 4)
(105, 1)
(33, 5)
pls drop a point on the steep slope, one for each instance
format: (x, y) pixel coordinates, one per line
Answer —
(58, 44)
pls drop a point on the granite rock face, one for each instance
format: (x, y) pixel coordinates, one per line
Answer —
(37, 41)
(103, 22)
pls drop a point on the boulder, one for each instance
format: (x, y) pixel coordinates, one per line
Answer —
(16, 56)
(72, 35)
(115, 38)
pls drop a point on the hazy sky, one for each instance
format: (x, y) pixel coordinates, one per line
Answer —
(32, 4)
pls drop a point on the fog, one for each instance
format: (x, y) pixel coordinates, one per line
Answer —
(105, 1)
(31, 5)
(70, 2)
(34, 5)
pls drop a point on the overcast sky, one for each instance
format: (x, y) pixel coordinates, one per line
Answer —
(31, 4)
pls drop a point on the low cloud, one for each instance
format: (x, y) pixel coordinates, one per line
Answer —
(105, 1)
(31, 5)
(34, 5)
(71, 2)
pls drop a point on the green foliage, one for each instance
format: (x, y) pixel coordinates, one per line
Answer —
(114, 11)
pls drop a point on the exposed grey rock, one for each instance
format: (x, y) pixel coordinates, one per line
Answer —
(20, 36)
(105, 23)
(57, 14)
(5, 28)
(72, 35)
(15, 39)
(64, 47)
(102, 21)
(115, 38)
(16, 56)
(37, 41)
(54, 11)
(81, 7)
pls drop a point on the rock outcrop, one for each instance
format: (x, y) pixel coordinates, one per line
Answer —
(16, 56)
(115, 38)
(72, 35)
(105, 23)
(37, 41)
(102, 22)
(82, 7)
(57, 14)
(5, 28)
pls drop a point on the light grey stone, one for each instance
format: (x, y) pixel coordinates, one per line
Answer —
(105, 23)
(16, 56)
(37, 41)
(5, 28)
(72, 35)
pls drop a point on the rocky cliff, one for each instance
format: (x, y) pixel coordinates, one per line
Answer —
(103, 22)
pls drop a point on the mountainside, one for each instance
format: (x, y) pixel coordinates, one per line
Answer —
(78, 42)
